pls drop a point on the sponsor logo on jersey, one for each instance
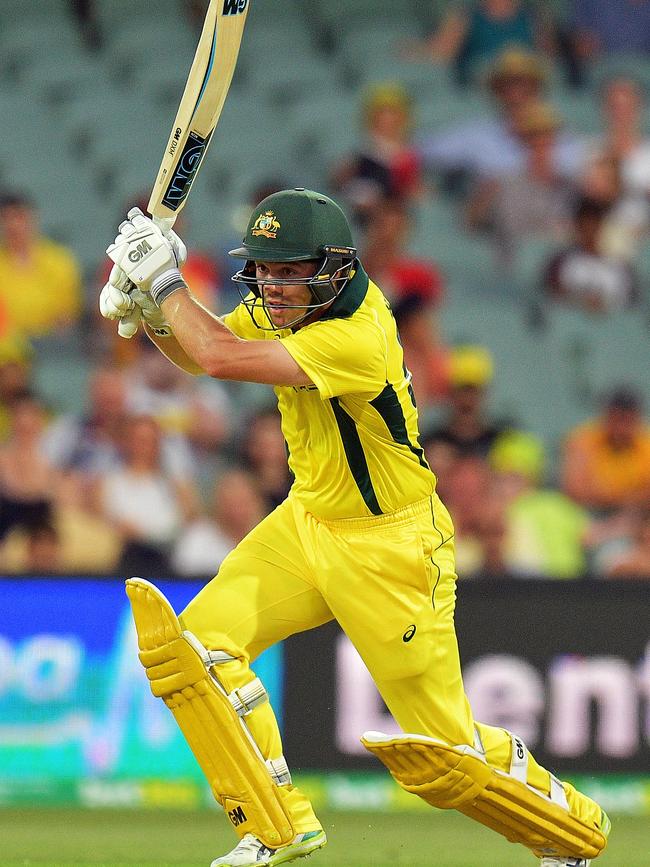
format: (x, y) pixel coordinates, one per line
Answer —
(410, 632)
(266, 224)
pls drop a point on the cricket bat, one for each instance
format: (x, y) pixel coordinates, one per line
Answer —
(200, 106)
(205, 93)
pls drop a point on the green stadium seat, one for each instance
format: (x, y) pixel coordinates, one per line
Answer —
(526, 274)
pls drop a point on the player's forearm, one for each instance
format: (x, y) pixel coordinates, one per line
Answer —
(202, 337)
(171, 348)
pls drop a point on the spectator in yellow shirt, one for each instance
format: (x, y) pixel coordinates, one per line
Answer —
(606, 462)
(40, 280)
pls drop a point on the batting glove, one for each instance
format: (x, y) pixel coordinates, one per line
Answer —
(122, 300)
(150, 257)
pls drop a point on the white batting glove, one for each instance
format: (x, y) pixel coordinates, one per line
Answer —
(148, 256)
(122, 300)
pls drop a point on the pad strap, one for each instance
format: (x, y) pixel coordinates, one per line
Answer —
(279, 770)
(246, 698)
(557, 794)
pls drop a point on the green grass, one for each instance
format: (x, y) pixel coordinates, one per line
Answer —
(121, 838)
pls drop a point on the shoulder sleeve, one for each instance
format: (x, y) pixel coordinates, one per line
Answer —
(341, 356)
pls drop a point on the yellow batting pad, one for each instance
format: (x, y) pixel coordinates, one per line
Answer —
(219, 739)
(458, 777)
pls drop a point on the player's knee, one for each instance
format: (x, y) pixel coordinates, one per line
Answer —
(193, 619)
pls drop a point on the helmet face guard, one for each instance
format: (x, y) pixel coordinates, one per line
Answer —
(331, 277)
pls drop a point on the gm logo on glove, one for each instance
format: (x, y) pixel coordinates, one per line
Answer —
(141, 250)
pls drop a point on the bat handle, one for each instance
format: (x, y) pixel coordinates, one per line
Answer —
(165, 224)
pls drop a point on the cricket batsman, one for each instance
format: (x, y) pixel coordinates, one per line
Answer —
(362, 538)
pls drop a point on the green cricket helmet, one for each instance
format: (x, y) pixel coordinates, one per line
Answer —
(296, 225)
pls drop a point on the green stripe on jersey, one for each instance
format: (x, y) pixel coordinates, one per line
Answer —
(389, 408)
(355, 456)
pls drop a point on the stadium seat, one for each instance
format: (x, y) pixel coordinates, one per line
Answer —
(526, 274)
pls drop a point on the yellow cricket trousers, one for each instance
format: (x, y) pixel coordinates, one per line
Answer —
(383, 579)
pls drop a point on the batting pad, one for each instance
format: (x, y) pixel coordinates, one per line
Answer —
(459, 777)
(215, 730)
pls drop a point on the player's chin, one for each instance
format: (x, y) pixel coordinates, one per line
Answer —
(283, 317)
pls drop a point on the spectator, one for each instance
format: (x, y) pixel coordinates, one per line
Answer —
(80, 541)
(472, 34)
(465, 486)
(536, 201)
(626, 217)
(623, 103)
(490, 539)
(606, 461)
(467, 431)
(387, 261)
(34, 550)
(237, 507)
(490, 146)
(583, 275)
(386, 163)
(40, 282)
(264, 454)
(634, 560)
(85, 14)
(619, 172)
(607, 27)
(193, 413)
(15, 382)
(544, 531)
(27, 478)
(147, 507)
(90, 442)
(425, 355)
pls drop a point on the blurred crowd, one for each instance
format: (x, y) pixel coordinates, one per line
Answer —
(162, 473)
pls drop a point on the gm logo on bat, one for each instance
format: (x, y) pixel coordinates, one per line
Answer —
(234, 7)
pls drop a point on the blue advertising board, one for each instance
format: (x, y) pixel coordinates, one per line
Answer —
(74, 700)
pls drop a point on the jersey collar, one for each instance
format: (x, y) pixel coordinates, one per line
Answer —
(351, 298)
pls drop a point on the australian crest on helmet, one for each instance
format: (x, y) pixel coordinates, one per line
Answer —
(267, 224)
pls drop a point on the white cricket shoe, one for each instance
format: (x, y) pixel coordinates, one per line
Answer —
(564, 862)
(251, 852)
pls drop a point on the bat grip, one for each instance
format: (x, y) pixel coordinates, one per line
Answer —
(165, 224)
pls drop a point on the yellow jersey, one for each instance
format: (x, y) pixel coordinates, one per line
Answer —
(352, 436)
(42, 293)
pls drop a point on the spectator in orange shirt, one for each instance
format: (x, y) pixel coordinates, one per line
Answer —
(606, 462)
(40, 281)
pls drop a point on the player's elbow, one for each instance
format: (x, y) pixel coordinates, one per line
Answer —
(216, 363)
